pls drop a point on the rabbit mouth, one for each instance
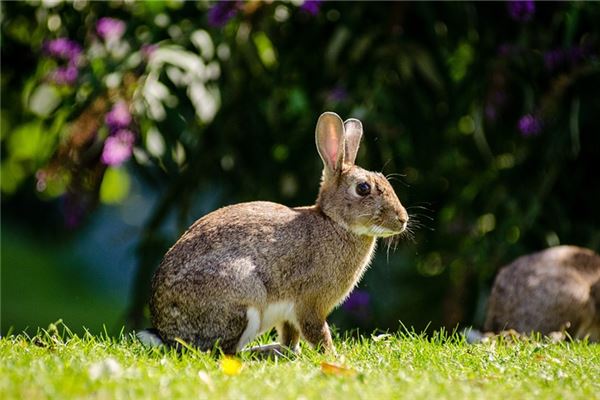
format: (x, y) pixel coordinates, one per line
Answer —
(376, 231)
(382, 231)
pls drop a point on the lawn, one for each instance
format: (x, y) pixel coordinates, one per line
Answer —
(405, 365)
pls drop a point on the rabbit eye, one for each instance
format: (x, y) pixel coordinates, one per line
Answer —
(363, 189)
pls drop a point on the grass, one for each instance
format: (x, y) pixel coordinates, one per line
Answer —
(406, 365)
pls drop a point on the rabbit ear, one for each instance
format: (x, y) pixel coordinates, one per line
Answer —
(353, 133)
(330, 141)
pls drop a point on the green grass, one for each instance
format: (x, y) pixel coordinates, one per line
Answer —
(411, 366)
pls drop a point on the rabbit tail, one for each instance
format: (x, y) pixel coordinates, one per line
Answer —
(150, 338)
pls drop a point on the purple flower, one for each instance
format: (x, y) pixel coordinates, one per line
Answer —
(220, 13)
(521, 10)
(41, 178)
(530, 125)
(64, 49)
(148, 49)
(495, 99)
(337, 94)
(119, 116)
(66, 75)
(491, 112)
(311, 6)
(110, 28)
(118, 148)
(357, 301)
(555, 58)
(68, 50)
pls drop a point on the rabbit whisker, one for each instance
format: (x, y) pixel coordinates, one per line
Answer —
(394, 175)
(419, 207)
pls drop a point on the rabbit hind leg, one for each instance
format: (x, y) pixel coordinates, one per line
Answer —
(289, 335)
(222, 329)
(590, 328)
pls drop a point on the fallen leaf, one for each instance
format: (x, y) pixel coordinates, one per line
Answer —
(231, 366)
(339, 370)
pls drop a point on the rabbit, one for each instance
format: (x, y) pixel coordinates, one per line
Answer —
(246, 268)
(549, 291)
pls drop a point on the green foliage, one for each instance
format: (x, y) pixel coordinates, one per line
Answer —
(115, 186)
(406, 365)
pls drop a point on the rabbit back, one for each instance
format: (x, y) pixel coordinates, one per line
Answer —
(547, 291)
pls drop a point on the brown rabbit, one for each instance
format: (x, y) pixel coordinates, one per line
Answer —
(554, 289)
(246, 268)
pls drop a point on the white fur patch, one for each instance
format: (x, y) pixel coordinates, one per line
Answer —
(276, 313)
(252, 329)
(272, 315)
(374, 230)
(382, 231)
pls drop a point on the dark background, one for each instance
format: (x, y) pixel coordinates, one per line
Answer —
(489, 113)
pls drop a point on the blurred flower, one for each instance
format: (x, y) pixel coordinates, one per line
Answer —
(337, 94)
(63, 48)
(220, 13)
(110, 28)
(311, 6)
(358, 300)
(66, 75)
(530, 125)
(495, 99)
(68, 50)
(119, 116)
(118, 148)
(491, 112)
(148, 49)
(41, 180)
(521, 10)
(231, 366)
(555, 58)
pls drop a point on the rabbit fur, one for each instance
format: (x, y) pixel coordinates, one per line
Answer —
(549, 291)
(246, 268)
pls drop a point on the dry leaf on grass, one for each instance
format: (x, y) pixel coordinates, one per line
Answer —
(338, 370)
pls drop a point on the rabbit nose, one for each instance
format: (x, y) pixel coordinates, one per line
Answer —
(404, 223)
(402, 218)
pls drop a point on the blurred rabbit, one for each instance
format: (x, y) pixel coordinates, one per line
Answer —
(552, 290)
(246, 268)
